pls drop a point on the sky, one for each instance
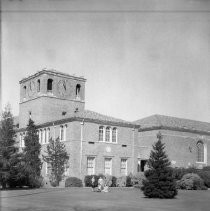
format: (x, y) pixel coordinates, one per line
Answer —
(140, 57)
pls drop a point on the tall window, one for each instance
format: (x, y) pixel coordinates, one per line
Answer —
(49, 84)
(61, 133)
(48, 135)
(108, 134)
(41, 136)
(123, 168)
(22, 142)
(38, 85)
(47, 168)
(90, 165)
(200, 151)
(101, 133)
(78, 86)
(114, 135)
(108, 166)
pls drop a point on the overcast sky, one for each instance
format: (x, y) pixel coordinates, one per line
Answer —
(139, 57)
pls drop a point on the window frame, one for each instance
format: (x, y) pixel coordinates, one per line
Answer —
(92, 172)
(110, 167)
(126, 166)
(203, 154)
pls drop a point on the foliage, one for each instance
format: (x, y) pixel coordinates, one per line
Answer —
(114, 181)
(8, 150)
(204, 173)
(137, 179)
(159, 181)
(108, 180)
(121, 181)
(88, 182)
(33, 164)
(56, 156)
(191, 181)
(73, 182)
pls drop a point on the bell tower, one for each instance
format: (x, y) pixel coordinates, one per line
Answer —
(50, 95)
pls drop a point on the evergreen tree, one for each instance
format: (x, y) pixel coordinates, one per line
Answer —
(159, 181)
(8, 150)
(33, 164)
(56, 156)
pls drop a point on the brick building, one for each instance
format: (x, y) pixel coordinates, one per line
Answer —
(97, 143)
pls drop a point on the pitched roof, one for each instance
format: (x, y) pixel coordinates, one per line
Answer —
(87, 114)
(161, 121)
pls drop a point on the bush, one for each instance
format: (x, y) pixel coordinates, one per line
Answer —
(137, 179)
(205, 175)
(73, 182)
(88, 182)
(114, 181)
(206, 168)
(121, 181)
(108, 180)
(191, 181)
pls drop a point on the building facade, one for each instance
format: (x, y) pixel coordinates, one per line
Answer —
(97, 143)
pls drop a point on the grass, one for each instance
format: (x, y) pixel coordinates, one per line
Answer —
(82, 199)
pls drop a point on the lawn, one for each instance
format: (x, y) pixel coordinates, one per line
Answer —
(82, 199)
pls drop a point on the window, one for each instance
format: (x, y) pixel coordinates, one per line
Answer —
(101, 133)
(49, 84)
(200, 151)
(123, 168)
(40, 136)
(47, 168)
(38, 85)
(114, 135)
(108, 166)
(48, 135)
(90, 165)
(22, 142)
(24, 92)
(78, 86)
(63, 132)
(108, 134)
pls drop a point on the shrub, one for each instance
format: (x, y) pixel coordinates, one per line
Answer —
(205, 175)
(108, 180)
(191, 181)
(206, 168)
(137, 179)
(114, 181)
(88, 182)
(73, 182)
(121, 181)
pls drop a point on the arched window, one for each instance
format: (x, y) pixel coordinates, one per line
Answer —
(48, 135)
(101, 133)
(49, 84)
(24, 91)
(108, 134)
(38, 85)
(114, 135)
(200, 151)
(78, 86)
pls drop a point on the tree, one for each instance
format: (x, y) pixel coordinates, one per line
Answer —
(8, 150)
(56, 156)
(159, 181)
(33, 164)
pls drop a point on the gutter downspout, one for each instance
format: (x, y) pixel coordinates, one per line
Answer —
(81, 146)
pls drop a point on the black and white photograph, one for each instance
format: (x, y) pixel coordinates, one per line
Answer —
(104, 105)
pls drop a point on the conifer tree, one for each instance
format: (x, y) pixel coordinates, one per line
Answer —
(33, 164)
(56, 156)
(159, 181)
(7, 146)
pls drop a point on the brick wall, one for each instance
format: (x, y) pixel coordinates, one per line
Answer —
(180, 146)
